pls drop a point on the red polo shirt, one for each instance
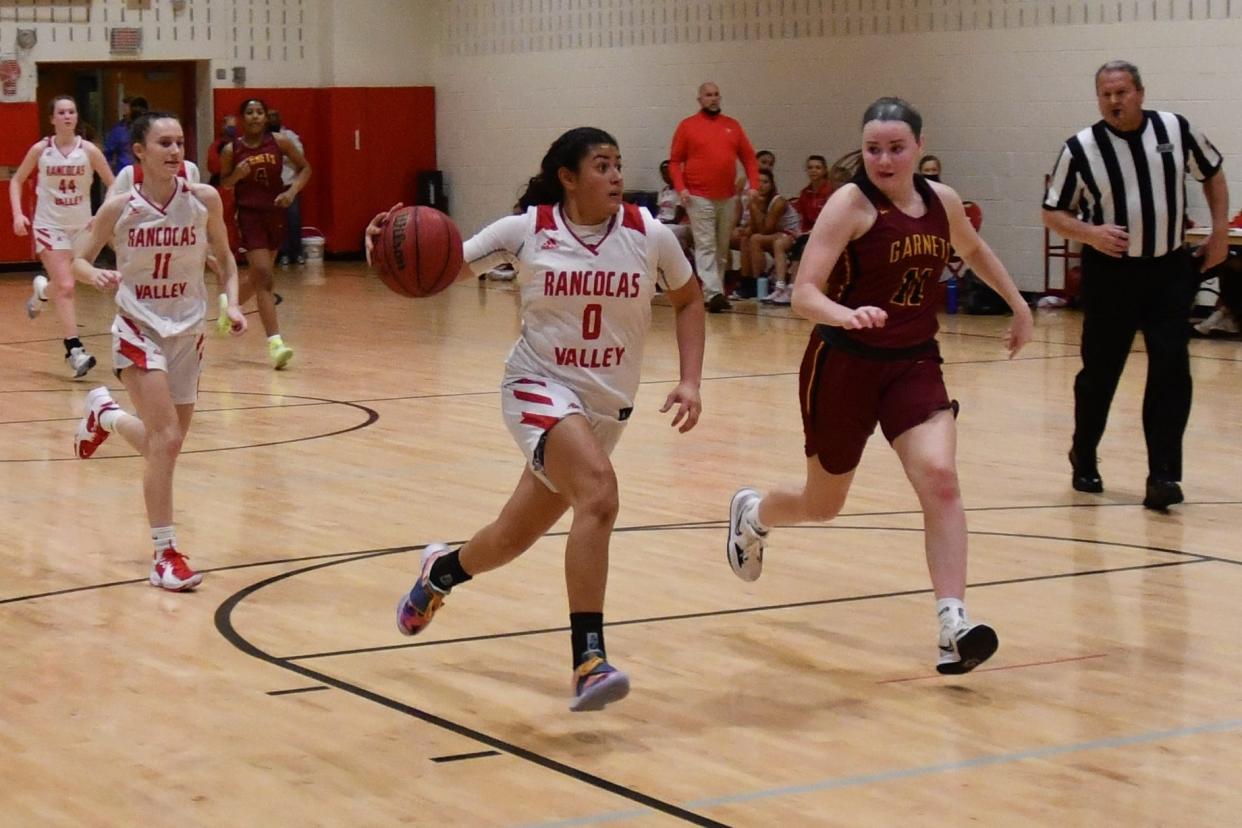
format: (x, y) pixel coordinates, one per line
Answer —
(705, 153)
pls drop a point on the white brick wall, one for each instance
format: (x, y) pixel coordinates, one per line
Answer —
(997, 101)
(277, 41)
(1001, 83)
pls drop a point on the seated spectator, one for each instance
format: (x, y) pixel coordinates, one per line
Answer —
(672, 213)
(1224, 318)
(772, 225)
(766, 160)
(811, 200)
(929, 167)
(809, 203)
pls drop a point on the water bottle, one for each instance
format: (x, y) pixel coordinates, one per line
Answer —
(761, 287)
(950, 295)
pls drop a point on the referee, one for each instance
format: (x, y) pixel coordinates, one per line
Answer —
(1119, 188)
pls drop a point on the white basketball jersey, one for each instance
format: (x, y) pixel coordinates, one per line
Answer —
(585, 307)
(160, 253)
(131, 175)
(64, 188)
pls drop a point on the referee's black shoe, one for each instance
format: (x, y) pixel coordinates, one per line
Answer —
(1161, 494)
(1086, 474)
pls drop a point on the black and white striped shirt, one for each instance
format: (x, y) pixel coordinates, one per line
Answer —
(1136, 180)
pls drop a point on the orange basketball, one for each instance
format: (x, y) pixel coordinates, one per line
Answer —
(418, 252)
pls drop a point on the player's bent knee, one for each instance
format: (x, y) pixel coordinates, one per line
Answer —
(599, 499)
(938, 481)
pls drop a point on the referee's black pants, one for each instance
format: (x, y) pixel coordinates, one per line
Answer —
(1119, 298)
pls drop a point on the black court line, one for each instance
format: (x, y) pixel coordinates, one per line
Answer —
(460, 757)
(298, 690)
(391, 550)
(206, 322)
(224, 624)
(372, 416)
(683, 525)
(720, 613)
(197, 411)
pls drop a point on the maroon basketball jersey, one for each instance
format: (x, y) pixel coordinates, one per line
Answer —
(896, 265)
(258, 190)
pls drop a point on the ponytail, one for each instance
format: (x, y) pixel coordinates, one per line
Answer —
(566, 151)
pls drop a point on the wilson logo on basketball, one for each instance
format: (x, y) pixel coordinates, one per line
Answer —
(399, 223)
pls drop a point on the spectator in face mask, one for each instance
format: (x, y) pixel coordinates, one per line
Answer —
(929, 168)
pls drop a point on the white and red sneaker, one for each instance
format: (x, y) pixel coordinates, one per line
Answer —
(171, 572)
(90, 434)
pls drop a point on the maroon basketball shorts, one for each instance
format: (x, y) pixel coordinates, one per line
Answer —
(844, 395)
(260, 229)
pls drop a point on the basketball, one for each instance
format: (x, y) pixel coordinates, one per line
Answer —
(418, 252)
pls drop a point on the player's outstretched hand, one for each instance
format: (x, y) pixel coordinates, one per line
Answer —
(377, 226)
(686, 397)
(867, 316)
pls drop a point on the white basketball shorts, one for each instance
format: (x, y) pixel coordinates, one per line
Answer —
(53, 238)
(180, 357)
(533, 405)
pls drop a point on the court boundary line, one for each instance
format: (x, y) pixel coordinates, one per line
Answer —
(694, 616)
(702, 524)
(224, 625)
(372, 417)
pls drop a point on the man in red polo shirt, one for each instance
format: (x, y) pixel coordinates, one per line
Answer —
(706, 149)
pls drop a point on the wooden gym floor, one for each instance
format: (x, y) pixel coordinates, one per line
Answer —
(280, 693)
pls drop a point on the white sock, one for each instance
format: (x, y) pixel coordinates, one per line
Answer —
(275, 339)
(109, 419)
(951, 612)
(750, 514)
(165, 538)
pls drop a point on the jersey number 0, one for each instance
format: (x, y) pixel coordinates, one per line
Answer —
(592, 319)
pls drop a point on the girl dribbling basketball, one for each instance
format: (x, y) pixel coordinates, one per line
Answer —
(161, 232)
(588, 267)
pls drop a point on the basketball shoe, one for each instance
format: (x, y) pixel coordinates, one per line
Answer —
(171, 572)
(223, 323)
(417, 607)
(34, 305)
(79, 362)
(597, 683)
(90, 434)
(963, 646)
(279, 352)
(745, 547)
